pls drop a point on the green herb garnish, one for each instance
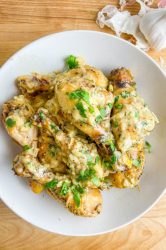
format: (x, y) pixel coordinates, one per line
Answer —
(107, 164)
(110, 105)
(96, 181)
(98, 119)
(72, 62)
(115, 124)
(102, 112)
(118, 105)
(125, 94)
(91, 109)
(51, 184)
(87, 174)
(148, 147)
(97, 160)
(54, 127)
(136, 114)
(112, 146)
(137, 163)
(41, 116)
(77, 190)
(113, 159)
(79, 94)
(10, 123)
(26, 147)
(64, 189)
(76, 197)
(116, 99)
(81, 109)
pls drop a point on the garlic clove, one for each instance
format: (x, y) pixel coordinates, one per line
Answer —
(153, 27)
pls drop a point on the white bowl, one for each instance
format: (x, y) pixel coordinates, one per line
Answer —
(120, 207)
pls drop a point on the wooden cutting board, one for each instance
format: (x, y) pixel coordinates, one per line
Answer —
(22, 21)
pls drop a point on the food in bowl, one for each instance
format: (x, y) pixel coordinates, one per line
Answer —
(80, 132)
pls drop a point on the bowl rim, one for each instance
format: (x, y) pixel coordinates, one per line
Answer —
(21, 50)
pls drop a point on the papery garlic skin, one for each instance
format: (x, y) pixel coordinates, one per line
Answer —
(153, 26)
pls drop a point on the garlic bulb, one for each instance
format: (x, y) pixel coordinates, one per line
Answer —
(153, 26)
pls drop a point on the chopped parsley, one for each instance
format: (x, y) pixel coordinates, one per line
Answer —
(96, 181)
(115, 124)
(110, 105)
(77, 190)
(54, 127)
(112, 146)
(148, 147)
(125, 94)
(102, 112)
(113, 159)
(76, 197)
(64, 189)
(51, 184)
(109, 164)
(87, 174)
(91, 109)
(10, 123)
(137, 163)
(71, 62)
(116, 99)
(79, 94)
(81, 109)
(41, 116)
(100, 117)
(136, 114)
(26, 147)
(97, 160)
(118, 105)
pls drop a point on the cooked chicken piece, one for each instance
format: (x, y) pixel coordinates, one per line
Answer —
(131, 120)
(39, 100)
(50, 153)
(89, 73)
(35, 83)
(85, 105)
(96, 76)
(129, 167)
(26, 165)
(127, 179)
(54, 110)
(78, 154)
(16, 116)
(85, 202)
(90, 203)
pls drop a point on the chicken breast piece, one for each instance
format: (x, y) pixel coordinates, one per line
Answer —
(16, 116)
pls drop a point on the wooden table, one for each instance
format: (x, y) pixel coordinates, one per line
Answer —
(22, 21)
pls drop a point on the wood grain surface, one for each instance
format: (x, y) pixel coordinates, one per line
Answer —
(22, 21)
